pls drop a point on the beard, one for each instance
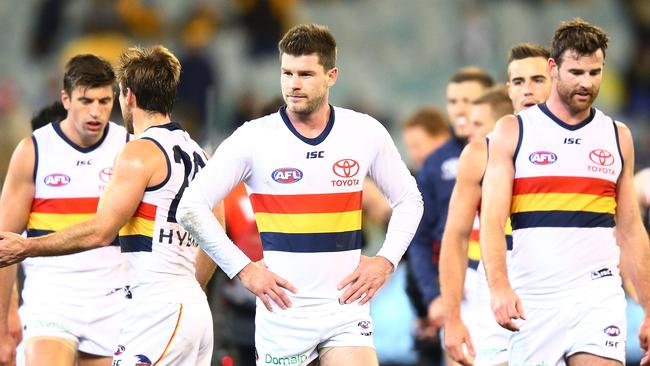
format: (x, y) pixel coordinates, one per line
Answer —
(567, 96)
(309, 108)
(127, 116)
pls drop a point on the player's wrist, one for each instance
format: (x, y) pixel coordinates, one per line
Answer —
(387, 264)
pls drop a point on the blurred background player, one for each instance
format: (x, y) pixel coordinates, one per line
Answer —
(72, 304)
(436, 180)
(463, 285)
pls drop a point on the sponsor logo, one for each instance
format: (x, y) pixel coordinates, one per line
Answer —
(106, 174)
(612, 331)
(84, 162)
(286, 175)
(176, 237)
(601, 157)
(365, 327)
(142, 360)
(542, 157)
(315, 154)
(120, 350)
(572, 141)
(56, 180)
(609, 343)
(287, 360)
(346, 168)
(603, 272)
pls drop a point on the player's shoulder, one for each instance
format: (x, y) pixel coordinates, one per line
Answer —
(355, 118)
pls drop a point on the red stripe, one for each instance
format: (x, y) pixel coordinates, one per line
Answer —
(306, 203)
(65, 205)
(146, 211)
(580, 185)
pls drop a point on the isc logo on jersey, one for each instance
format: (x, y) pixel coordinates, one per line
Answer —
(286, 175)
(56, 180)
(542, 158)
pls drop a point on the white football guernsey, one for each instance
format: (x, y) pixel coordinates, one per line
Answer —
(68, 181)
(563, 207)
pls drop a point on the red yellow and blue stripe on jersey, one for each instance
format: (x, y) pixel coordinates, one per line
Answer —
(329, 222)
(553, 201)
(54, 214)
(474, 246)
(137, 234)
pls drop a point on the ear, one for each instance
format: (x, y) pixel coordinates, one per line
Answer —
(130, 98)
(65, 99)
(332, 75)
(553, 68)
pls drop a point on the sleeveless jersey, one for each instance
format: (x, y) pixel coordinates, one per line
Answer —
(68, 182)
(160, 254)
(306, 195)
(563, 207)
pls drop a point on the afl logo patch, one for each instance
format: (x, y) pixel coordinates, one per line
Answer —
(286, 175)
(56, 180)
(612, 331)
(542, 158)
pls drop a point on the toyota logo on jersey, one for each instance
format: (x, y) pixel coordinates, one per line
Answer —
(601, 157)
(346, 168)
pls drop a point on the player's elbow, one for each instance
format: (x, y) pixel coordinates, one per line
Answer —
(186, 212)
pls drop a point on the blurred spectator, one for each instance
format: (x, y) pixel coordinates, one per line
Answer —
(264, 22)
(13, 123)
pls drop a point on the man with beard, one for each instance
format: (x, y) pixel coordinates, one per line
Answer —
(563, 171)
(304, 168)
(167, 320)
(462, 283)
(436, 181)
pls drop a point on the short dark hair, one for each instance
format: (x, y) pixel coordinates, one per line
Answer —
(579, 36)
(153, 75)
(521, 51)
(430, 119)
(305, 39)
(472, 73)
(89, 71)
(498, 100)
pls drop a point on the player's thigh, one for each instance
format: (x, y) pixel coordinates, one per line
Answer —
(587, 359)
(50, 351)
(360, 356)
(86, 359)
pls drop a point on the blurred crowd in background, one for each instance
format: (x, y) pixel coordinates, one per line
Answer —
(396, 57)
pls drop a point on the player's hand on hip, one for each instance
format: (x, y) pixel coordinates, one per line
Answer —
(367, 279)
(644, 339)
(266, 285)
(7, 350)
(458, 343)
(507, 307)
(12, 248)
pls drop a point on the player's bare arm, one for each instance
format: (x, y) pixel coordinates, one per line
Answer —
(138, 165)
(465, 200)
(15, 205)
(632, 237)
(495, 208)
(642, 180)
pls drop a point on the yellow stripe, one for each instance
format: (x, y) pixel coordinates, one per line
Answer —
(474, 250)
(55, 222)
(309, 223)
(563, 202)
(138, 226)
(508, 228)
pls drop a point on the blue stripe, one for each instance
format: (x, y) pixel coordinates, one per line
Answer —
(579, 219)
(509, 242)
(35, 156)
(311, 141)
(311, 243)
(33, 233)
(473, 264)
(520, 138)
(135, 243)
